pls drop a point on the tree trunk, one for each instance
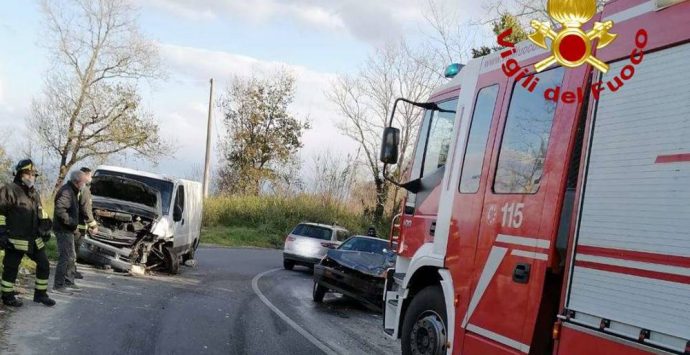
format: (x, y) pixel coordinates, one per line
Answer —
(381, 196)
(60, 178)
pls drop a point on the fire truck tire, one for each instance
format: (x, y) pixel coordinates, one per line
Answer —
(424, 329)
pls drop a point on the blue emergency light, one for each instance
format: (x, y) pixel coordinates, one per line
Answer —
(453, 70)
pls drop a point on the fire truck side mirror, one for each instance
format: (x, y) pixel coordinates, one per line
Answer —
(389, 146)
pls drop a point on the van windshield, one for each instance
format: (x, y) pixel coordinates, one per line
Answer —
(307, 230)
(164, 187)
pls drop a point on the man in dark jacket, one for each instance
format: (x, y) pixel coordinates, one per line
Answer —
(66, 221)
(25, 231)
(86, 220)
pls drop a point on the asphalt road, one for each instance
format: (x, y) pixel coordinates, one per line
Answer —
(235, 301)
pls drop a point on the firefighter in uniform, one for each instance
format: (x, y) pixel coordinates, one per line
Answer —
(26, 230)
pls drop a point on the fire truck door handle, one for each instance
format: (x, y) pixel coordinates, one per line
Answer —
(432, 229)
(521, 273)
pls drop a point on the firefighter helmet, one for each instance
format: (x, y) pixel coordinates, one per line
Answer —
(25, 165)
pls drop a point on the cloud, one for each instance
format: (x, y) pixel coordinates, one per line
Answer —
(370, 21)
(181, 104)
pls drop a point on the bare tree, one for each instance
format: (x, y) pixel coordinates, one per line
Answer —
(523, 10)
(90, 107)
(5, 166)
(333, 177)
(447, 38)
(365, 101)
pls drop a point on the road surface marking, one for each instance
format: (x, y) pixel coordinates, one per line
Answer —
(290, 322)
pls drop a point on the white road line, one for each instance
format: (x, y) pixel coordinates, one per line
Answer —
(290, 322)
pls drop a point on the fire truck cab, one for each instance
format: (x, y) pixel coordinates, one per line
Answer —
(553, 221)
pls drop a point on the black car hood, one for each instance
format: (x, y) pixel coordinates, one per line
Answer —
(126, 195)
(367, 263)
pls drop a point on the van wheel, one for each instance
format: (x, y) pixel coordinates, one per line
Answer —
(319, 292)
(424, 329)
(191, 253)
(171, 261)
(288, 264)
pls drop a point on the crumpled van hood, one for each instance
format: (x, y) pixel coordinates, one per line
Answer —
(121, 193)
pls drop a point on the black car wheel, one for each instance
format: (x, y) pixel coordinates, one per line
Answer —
(171, 261)
(319, 292)
(288, 264)
(424, 329)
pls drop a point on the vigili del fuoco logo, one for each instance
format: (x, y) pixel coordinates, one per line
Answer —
(571, 47)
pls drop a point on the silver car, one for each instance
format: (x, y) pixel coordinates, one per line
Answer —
(308, 243)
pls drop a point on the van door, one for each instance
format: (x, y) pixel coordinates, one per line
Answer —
(517, 228)
(182, 235)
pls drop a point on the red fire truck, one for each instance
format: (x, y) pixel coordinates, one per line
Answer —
(552, 222)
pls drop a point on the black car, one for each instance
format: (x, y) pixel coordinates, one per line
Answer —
(356, 269)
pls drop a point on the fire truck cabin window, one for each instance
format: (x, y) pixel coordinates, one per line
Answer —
(440, 135)
(526, 137)
(476, 143)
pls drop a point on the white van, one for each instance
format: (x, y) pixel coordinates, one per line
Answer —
(145, 221)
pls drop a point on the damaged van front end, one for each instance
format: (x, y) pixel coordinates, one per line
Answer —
(133, 233)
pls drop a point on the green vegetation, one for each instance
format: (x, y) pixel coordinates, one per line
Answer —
(264, 221)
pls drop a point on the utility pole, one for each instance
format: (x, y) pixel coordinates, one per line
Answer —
(207, 164)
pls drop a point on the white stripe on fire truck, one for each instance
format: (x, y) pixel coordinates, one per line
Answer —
(499, 338)
(524, 241)
(529, 254)
(632, 12)
(675, 270)
(492, 262)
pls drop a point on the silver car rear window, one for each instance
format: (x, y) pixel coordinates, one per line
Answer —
(306, 230)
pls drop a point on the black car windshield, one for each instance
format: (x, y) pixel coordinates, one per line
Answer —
(308, 230)
(369, 245)
(164, 187)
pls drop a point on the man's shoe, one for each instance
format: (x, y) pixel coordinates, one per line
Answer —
(11, 301)
(78, 275)
(62, 290)
(73, 287)
(42, 297)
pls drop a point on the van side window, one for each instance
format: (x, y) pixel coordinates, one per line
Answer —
(526, 137)
(179, 198)
(476, 143)
(440, 135)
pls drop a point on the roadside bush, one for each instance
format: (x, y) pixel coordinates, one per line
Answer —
(272, 217)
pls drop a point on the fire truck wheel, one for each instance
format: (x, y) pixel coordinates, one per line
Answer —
(424, 326)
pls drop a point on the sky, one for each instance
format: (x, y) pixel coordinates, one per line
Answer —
(317, 40)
